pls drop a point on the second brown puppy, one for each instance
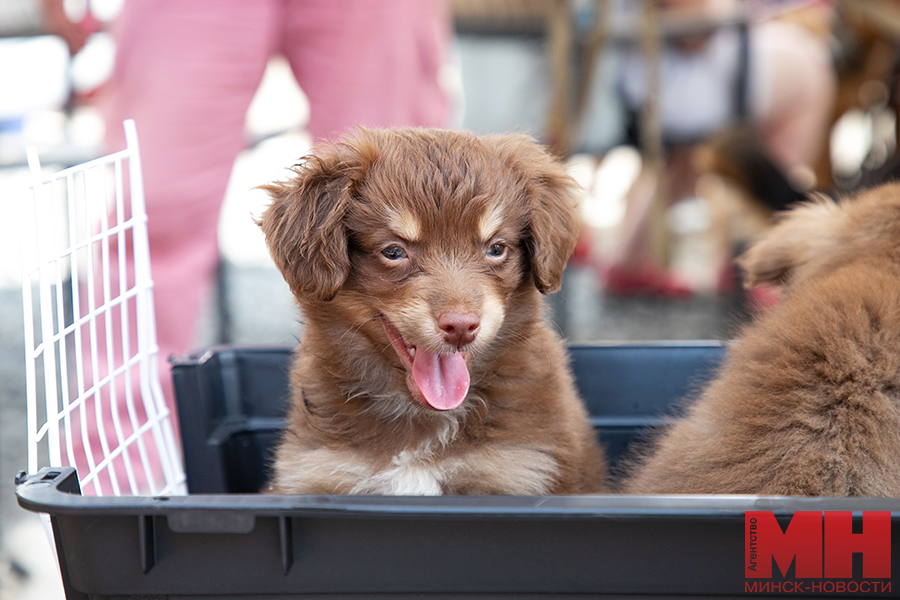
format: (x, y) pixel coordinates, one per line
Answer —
(427, 366)
(808, 401)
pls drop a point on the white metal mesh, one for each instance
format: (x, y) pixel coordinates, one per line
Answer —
(93, 392)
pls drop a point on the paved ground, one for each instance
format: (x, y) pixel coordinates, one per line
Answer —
(12, 398)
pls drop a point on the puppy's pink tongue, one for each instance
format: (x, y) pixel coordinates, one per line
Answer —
(443, 379)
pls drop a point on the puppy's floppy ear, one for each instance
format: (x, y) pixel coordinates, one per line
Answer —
(555, 226)
(304, 225)
(552, 195)
(807, 233)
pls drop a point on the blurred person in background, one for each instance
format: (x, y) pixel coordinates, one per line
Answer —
(186, 72)
(783, 88)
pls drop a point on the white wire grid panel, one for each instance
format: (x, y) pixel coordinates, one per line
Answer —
(94, 399)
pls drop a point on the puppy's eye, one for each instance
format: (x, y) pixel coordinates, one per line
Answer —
(394, 253)
(497, 250)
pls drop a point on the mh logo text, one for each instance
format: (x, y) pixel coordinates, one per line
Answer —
(821, 544)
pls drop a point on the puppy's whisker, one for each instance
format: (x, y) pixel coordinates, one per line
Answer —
(354, 329)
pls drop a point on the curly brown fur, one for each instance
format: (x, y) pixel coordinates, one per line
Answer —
(808, 401)
(382, 236)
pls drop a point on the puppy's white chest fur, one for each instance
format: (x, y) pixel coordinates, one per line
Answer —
(421, 471)
(324, 470)
(411, 473)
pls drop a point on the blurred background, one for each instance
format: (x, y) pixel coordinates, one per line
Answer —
(690, 123)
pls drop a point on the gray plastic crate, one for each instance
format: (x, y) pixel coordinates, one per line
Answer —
(216, 544)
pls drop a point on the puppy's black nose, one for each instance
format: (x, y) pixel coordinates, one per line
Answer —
(459, 329)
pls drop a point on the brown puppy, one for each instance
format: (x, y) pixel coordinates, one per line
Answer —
(808, 401)
(418, 258)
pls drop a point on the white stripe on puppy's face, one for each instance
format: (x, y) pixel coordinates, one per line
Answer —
(404, 224)
(490, 221)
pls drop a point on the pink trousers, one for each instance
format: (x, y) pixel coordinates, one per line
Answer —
(186, 71)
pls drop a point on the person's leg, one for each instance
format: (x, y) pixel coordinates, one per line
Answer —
(375, 64)
(633, 269)
(186, 72)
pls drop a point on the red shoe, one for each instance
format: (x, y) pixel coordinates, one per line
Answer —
(644, 280)
(764, 297)
(581, 255)
(728, 280)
